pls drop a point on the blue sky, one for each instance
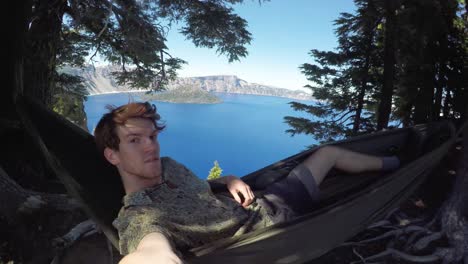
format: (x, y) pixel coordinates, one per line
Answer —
(283, 34)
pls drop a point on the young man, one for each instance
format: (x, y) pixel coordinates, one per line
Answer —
(167, 209)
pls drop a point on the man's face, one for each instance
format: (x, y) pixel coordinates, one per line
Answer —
(138, 154)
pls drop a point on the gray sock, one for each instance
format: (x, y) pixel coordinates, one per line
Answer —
(390, 163)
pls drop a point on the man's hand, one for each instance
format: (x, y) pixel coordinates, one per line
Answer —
(236, 186)
(153, 248)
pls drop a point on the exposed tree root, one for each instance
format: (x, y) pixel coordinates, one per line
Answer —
(424, 242)
(82, 230)
(433, 258)
(440, 237)
(397, 232)
(409, 243)
(27, 225)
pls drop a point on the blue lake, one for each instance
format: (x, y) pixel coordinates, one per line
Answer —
(244, 133)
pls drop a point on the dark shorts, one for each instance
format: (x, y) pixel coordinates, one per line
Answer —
(293, 195)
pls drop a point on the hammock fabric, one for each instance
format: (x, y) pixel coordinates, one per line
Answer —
(348, 203)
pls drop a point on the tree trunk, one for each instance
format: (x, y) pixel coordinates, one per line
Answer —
(369, 31)
(43, 39)
(455, 210)
(363, 89)
(424, 103)
(18, 14)
(425, 99)
(440, 107)
(447, 103)
(385, 105)
(441, 84)
(357, 118)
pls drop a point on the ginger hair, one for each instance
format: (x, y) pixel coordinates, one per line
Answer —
(105, 134)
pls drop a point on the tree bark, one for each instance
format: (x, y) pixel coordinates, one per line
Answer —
(424, 100)
(357, 118)
(455, 210)
(363, 89)
(424, 108)
(447, 102)
(17, 13)
(449, 15)
(385, 105)
(441, 84)
(43, 40)
(369, 31)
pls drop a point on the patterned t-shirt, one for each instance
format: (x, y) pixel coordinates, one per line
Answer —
(184, 209)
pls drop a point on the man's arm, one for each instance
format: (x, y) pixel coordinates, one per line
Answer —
(222, 179)
(153, 248)
(236, 186)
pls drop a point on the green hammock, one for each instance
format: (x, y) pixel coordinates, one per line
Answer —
(348, 203)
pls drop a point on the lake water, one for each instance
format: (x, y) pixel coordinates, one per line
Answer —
(244, 133)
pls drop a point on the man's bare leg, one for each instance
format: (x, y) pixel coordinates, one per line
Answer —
(327, 157)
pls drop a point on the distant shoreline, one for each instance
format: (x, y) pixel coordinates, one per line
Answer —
(136, 91)
(99, 80)
(115, 92)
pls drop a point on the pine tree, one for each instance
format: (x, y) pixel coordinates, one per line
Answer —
(385, 104)
(215, 172)
(374, 77)
(344, 82)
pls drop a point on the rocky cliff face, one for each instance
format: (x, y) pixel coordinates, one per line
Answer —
(232, 84)
(99, 80)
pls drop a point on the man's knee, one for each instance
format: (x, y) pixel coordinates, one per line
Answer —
(328, 152)
(321, 161)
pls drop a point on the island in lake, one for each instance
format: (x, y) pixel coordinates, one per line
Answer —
(184, 94)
